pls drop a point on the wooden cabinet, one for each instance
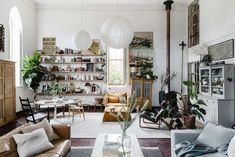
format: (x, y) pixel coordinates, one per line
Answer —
(7, 92)
(142, 90)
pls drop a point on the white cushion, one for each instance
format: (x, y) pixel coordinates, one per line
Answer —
(32, 143)
(216, 136)
(231, 148)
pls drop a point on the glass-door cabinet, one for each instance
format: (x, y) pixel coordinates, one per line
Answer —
(217, 81)
(204, 80)
(142, 90)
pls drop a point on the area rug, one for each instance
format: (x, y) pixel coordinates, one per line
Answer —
(94, 125)
(86, 152)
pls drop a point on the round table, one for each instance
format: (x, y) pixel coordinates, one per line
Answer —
(54, 103)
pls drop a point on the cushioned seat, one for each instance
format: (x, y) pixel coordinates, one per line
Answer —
(61, 148)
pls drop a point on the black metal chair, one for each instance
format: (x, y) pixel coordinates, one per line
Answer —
(33, 114)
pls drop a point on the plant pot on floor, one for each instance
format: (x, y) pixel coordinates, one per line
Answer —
(189, 122)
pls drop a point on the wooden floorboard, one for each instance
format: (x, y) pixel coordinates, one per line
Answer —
(163, 143)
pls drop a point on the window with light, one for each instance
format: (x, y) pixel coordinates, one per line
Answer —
(15, 24)
(116, 67)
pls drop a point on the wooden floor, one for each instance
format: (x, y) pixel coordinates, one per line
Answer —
(162, 143)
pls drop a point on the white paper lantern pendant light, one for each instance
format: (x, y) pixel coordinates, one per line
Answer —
(81, 38)
(117, 32)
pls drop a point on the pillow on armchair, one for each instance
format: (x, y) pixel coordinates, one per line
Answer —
(114, 98)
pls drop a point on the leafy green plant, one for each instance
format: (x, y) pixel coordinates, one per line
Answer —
(56, 88)
(194, 106)
(33, 71)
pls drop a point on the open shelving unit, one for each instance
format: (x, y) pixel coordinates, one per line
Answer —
(76, 70)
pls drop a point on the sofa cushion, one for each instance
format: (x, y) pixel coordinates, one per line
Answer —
(231, 146)
(61, 147)
(113, 99)
(216, 136)
(32, 143)
(43, 124)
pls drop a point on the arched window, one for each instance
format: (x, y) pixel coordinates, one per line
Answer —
(16, 47)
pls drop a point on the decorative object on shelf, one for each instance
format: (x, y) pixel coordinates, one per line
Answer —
(2, 38)
(72, 88)
(81, 38)
(221, 51)
(95, 46)
(33, 71)
(125, 122)
(49, 45)
(88, 87)
(142, 40)
(206, 60)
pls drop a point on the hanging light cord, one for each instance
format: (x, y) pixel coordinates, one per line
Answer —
(82, 14)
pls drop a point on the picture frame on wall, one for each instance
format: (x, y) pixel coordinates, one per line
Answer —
(142, 40)
(221, 51)
(2, 38)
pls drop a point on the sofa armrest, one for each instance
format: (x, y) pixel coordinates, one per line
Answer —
(63, 131)
(178, 136)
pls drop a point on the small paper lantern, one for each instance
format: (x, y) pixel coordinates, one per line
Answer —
(82, 39)
(117, 32)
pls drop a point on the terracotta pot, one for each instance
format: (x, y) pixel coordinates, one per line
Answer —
(189, 122)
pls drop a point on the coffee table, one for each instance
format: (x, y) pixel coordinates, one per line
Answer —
(99, 143)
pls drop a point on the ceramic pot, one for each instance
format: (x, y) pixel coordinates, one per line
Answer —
(189, 122)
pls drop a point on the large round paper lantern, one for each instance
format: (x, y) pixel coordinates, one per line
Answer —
(117, 32)
(82, 39)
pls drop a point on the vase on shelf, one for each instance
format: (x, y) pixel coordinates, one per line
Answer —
(124, 142)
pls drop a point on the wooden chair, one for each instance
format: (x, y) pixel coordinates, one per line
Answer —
(33, 114)
(77, 109)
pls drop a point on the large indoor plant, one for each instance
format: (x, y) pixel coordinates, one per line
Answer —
(190, 106)
(33, 71)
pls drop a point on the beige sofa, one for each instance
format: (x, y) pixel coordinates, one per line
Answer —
(8, 147)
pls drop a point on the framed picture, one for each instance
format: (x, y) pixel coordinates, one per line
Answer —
(2, 38)
(142, 40)
(221, 51)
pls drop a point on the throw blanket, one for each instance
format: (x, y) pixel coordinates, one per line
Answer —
(191, 149)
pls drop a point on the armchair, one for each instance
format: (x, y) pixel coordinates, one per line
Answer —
(115, 99)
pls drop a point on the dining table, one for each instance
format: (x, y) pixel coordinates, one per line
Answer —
(55, 103)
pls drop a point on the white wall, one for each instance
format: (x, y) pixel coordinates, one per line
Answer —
(27, 12)
(62, 21)
(216, 23)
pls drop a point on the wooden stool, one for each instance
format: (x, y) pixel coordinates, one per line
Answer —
(79, 109)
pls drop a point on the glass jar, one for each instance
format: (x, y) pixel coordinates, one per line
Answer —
(124, 142)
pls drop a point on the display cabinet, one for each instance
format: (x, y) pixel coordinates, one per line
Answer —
(217, 81)
(142, 90)
(204, 80)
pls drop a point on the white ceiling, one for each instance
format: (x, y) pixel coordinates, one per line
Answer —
(94, 2)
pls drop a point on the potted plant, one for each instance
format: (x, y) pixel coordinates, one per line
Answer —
(190, 106)
(165, 79)
(33, 71)
(56, 89)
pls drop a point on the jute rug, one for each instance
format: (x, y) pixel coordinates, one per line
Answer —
(86, 152)
(94, 125)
